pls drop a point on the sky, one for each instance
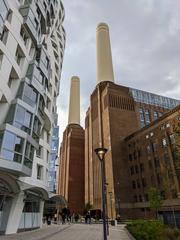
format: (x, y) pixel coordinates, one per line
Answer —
(145, 43)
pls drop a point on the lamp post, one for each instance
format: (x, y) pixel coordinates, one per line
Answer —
(101, 154)
(107, 224)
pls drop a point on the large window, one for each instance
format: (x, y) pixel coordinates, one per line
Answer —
(19, 117)
(29, 95)
(23, 119)
(39, 172)
(37, 129)
(155, 115)
(29, 155)
(32, 206)
(39, 152)
(147, 116)
(141, 115)
(12, 147)
(3, 10)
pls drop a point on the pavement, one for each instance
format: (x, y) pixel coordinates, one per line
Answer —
(71, 232)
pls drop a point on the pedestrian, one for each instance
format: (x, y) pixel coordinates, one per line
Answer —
(88, 217)
(76, 217)
(63, 218)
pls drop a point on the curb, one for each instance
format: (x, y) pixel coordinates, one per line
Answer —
(129, 234)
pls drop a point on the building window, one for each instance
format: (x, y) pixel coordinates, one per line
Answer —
(24, 36)
(12, 147)
(39, 152)
(1, 58)
(152, 180)
(162, 127)
(148, 148)
(138, 183)
(19, 56)
(142, 167)
(139, 153)
(150, 163)
(164, 142)
(143, 182)
(147, 116)
(29, 95)
(146, 197)
(174, 193)
(31, 206)
(172, 139)
(156, 162)
(166, 158)
(4, 35)
(158, 179)
(155, 115)
(135, 155)
(36, 128)
(135, 198)
(133, 184)
(154, 146)
(23, 119)
(130, 157)
(141, 115)
(36, 24)
(136, 169)
(163, 195)
(132, 170)
(39, 172)
(29, 155)
(140, 198)
(47, 156)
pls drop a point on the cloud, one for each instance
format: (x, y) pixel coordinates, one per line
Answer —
(145, 40)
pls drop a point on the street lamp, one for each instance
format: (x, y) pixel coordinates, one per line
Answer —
(101, 154)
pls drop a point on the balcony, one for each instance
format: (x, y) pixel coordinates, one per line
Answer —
(36, 77)
(47, 120)
(31, 23)
(43, 62)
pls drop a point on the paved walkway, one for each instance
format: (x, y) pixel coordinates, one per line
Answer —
(70, 232)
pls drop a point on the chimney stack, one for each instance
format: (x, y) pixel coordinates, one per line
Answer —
(104, 57)
(74, 103)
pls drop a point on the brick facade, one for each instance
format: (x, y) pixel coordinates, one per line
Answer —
(113, 115)
(71, 177)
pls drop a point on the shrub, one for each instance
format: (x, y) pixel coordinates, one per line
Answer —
(152, 230)
(146, 230)
(170, 234)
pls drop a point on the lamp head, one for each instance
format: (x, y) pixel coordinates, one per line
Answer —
(101, 153)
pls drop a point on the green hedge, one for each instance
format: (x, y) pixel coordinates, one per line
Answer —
(152, 230)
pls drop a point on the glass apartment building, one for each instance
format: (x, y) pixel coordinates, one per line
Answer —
(32, 43)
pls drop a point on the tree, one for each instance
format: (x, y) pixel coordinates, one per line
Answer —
(155, 200)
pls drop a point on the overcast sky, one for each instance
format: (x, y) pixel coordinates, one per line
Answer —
(145, 43)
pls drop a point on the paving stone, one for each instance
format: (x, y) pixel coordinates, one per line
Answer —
(71, 232)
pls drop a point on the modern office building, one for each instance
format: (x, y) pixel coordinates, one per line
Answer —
(32, 42)
(115, 112)
(71, 176)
